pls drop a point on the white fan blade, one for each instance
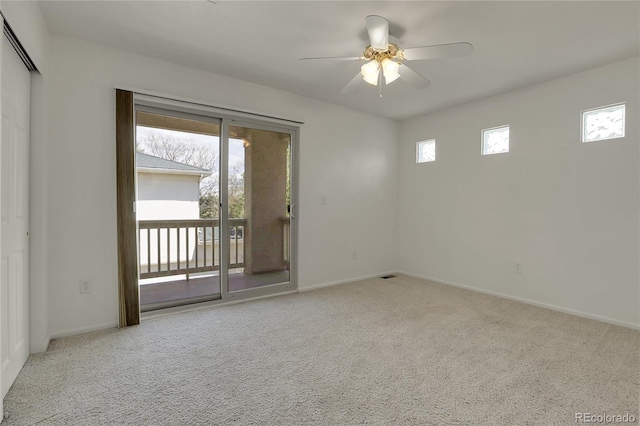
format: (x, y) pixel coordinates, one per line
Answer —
(355, 82)
(335, 58)
(412, 77)
(450, 50)
(378, 28)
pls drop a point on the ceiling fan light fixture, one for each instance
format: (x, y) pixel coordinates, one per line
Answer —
(370, 72)
(384, 57)
(390, 70)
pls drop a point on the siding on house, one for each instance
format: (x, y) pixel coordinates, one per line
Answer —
(167, 189)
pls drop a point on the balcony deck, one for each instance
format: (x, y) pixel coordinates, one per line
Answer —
(152, 294)
(180, 261)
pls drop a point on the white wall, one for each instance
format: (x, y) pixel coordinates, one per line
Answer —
(29, 26)
(349, 156)
(567, 210)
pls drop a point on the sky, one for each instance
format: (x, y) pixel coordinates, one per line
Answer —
(236, 148)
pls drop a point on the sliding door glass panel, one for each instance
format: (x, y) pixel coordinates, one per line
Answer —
(177, 208)
(259, 204)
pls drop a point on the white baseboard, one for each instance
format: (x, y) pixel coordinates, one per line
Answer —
(206, 305)
(83, 330)
(161, 313)
(42, 347)
(528, 301)
(346, 281)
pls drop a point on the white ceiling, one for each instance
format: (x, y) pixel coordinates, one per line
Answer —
(516, 43)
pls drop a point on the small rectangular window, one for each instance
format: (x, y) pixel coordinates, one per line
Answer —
(495, 140)
(603, 123)
(426, 151)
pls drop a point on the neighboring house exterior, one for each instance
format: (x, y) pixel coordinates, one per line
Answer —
(167, 190)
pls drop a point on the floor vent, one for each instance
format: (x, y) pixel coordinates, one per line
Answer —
(386, 277)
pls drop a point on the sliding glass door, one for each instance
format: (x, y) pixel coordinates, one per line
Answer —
(177, 207)
(259, 208)
(214, 208)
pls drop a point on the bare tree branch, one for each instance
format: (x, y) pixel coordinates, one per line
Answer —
(165, 146)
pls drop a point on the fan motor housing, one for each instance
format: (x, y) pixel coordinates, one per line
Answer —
(372, 54)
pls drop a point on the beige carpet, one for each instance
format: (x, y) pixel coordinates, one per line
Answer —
(398, 351)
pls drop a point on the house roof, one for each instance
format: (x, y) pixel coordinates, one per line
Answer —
(151, 163)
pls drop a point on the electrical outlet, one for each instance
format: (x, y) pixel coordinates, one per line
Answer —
(518, 267)
(85, 286)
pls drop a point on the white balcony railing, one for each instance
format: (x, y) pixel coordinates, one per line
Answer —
(175, 247)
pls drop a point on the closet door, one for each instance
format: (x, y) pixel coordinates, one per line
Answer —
(14, 207)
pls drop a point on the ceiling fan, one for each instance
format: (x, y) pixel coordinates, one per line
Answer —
(385, 60)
